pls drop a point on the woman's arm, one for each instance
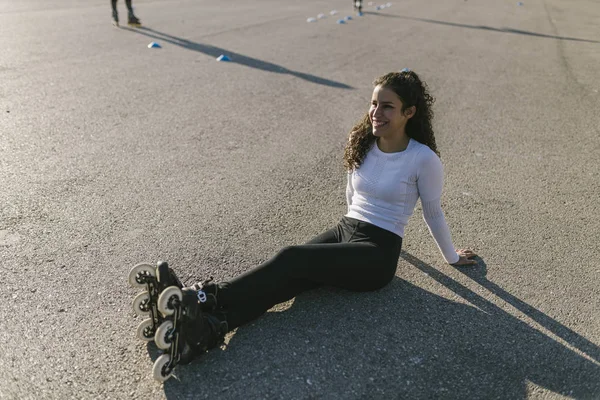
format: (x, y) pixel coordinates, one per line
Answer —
(430, 182)
(349, 190)
(435, 220)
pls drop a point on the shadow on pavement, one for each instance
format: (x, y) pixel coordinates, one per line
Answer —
(399, 342)
(235, 57)
(483, 27)
(574, 339)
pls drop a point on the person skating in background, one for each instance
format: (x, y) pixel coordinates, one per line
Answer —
(357, 4)
(132, 20)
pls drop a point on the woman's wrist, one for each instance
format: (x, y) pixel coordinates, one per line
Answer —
(457, 259)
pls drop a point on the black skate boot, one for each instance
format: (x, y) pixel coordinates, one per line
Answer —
(186, 332)
(133, 21)
(115, 17)
(155, 280)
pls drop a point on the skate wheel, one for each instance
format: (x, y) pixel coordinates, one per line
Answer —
(165, 300)
(163, 337)
(137, 272)
(145, 330)
(141, 304)
(160, 371)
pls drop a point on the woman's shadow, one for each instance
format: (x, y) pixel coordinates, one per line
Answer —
(399, 342)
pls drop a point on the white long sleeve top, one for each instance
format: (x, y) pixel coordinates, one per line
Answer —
(384, 191)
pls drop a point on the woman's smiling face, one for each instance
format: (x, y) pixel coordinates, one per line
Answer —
(386, 113)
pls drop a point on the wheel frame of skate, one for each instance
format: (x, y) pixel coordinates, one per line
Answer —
(167, 334)
(144, 275)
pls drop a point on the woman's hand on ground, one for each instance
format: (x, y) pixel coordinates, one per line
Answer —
(466, 256)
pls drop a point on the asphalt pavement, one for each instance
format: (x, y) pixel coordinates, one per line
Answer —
(113, 153)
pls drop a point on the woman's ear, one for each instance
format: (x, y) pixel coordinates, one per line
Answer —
(410, 112)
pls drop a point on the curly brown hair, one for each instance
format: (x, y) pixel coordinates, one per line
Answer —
(412, 92)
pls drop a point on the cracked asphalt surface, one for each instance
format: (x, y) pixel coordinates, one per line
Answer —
(113, 154)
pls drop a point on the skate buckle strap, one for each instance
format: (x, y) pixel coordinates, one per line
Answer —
(201, 296)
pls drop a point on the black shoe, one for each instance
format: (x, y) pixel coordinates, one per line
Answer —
(132, 20)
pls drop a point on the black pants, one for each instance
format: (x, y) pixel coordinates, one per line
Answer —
(354, 255)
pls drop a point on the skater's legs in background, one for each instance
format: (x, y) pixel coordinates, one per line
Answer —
(115, 13)
(113, 4)
(132, 20)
